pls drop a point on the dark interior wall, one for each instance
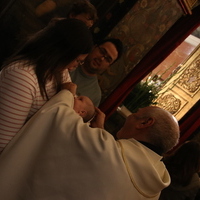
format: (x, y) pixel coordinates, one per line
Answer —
(110, 13)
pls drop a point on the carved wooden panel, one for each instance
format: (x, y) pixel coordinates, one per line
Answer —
(183, 90)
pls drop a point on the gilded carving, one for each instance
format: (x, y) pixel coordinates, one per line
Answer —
(169, 102)
(190, 79)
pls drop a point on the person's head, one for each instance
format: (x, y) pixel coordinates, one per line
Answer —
(103, 55)
(84, 107)
(64, 43)
(84, 11)
(153, 125)
(184, 162)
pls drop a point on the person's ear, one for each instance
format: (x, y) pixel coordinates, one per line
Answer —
(145, 122)
(82, 113)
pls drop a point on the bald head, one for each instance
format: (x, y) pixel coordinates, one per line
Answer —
(153, 125)
(164, 133)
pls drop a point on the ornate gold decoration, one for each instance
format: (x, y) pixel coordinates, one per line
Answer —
(169, 102)
(189, 80)
(182, 90)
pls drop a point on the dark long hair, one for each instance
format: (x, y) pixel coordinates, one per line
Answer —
(184, 163)
(53, 48)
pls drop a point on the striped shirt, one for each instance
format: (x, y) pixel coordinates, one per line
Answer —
(20, 98)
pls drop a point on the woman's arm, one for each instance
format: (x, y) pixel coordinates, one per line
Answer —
(16, 97)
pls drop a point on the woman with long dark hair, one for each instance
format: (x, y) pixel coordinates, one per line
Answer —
(37, 71)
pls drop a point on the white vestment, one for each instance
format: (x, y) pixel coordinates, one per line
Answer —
(56, 156)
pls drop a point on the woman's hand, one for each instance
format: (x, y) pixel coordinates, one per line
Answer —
(70, 86)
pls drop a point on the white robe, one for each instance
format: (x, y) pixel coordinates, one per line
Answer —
(56, 156)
